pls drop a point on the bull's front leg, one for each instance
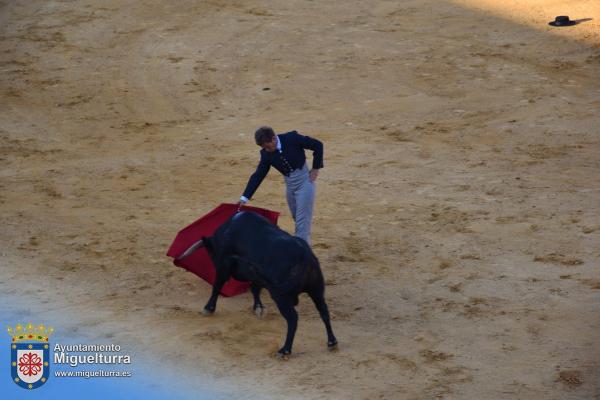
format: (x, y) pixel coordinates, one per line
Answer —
(223, 275)
(258, 307)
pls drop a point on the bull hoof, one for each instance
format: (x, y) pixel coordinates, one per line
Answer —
(332, 346)
(207, 313)
(283, 355)
(260, 311)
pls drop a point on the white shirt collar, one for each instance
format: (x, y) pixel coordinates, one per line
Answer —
(278, 143)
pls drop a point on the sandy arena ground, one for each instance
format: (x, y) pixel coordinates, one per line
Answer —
(458, 213)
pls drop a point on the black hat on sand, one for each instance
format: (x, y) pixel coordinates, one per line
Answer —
(562, 20)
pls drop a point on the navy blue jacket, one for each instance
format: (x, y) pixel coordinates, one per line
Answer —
(292, 146)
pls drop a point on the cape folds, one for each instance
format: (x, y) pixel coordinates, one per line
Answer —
(200, 262)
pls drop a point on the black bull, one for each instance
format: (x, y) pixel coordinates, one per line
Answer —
(249, 248)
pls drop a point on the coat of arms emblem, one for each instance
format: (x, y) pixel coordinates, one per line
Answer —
(30, 355)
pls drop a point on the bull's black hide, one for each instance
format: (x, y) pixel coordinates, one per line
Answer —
(248, 247)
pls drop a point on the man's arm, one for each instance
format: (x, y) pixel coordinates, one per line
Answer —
(256, 178)
(316, 146)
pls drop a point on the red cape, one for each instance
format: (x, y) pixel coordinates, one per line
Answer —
(199, 262)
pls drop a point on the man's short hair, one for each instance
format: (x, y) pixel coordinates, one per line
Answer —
(263, 135)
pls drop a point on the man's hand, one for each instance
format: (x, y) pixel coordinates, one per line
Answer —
(241, 202)
(314, 173)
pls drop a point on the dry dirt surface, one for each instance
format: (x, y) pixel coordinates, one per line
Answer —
(457, 217)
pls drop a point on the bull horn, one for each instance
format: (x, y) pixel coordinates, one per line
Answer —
(191, 249)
